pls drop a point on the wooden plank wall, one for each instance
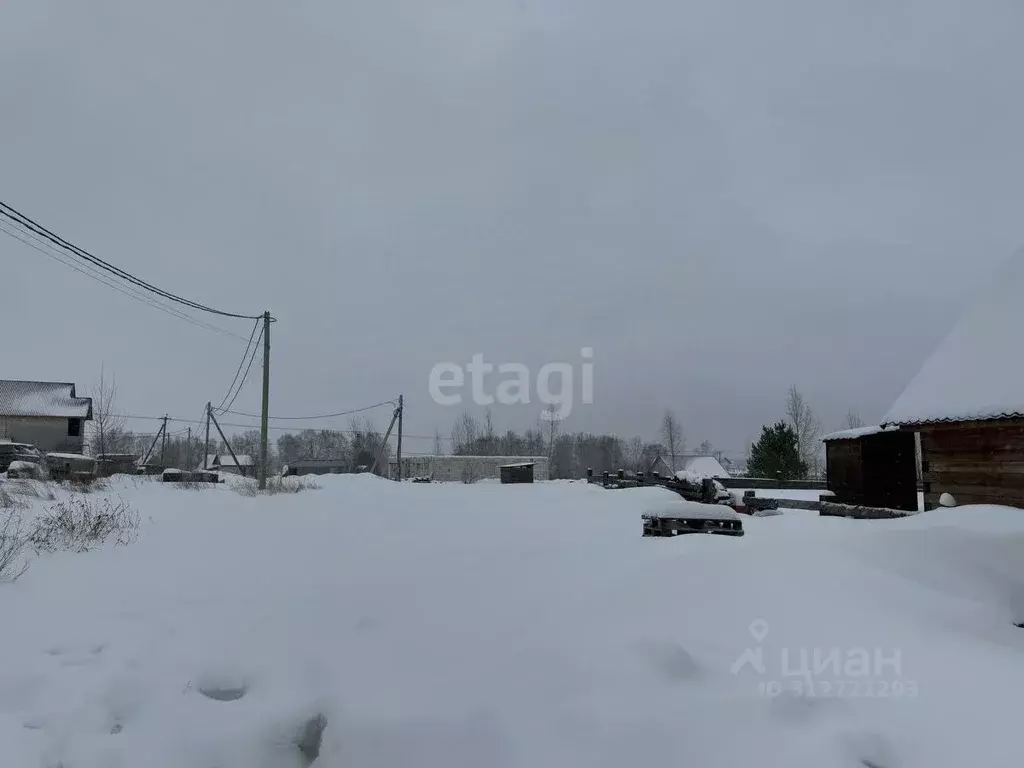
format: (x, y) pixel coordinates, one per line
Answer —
(844, 470)
(979, 462)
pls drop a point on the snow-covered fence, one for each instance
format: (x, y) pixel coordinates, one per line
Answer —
(771, 484)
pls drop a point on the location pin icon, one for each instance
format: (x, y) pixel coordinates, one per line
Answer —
(759, 630)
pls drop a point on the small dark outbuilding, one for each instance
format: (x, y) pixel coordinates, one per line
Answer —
(872, 467)
(316, 467)
(516, 473)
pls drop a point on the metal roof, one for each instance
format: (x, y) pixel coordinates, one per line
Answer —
(856, 433)
(42, 398)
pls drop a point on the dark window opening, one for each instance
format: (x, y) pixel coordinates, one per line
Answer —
(74, 427)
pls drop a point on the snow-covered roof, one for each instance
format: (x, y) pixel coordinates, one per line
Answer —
(42, 398)
(244, 460)
(853, 434)
(977, 372)
(211, 460)
(519, 464)
(69, 457)
(705, 466)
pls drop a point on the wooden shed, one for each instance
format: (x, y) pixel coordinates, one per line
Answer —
(517, 473)
(872, 467)
(967, 402)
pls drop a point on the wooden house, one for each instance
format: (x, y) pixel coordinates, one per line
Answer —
(872, 467)
(245, 466)
(967, 402)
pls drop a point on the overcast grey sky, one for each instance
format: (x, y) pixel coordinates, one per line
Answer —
(721, 198)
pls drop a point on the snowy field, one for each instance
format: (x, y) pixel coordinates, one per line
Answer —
(529, 626)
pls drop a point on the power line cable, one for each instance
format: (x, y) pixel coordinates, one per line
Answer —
(280, 427)
(129, 291)
(241, 384)
(311, 418)
(240, 364)
(25, 221)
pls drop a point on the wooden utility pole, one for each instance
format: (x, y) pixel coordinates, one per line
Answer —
(206, 445)
(265, 415)
(188, 451)
(159, 433)
(401, 407)
(163, 443)
(384, 442)
(227, 443)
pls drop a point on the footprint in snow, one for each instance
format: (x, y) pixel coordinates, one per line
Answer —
(221, 686)
(871, 750)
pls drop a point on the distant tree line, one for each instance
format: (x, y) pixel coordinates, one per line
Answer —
(569, 455)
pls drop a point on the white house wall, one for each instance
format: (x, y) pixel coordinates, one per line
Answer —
(47, 433)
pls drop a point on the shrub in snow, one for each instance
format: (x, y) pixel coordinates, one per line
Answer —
(14, 538)
(195, 485)
(26, 470)
(277, 485)
(79, 524)
(31, 489)
(86, 484)
(10, 501)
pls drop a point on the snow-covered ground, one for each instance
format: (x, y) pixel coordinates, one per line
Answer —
(528, 625)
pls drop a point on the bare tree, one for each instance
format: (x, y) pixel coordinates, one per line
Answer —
(672, 434)
(853, 420)
(805, 425)
(490, 440)
(552, 418)
(438, 445)
(367, 446)
(635, 454)
(108, 435)
(706, 449)
(465, 434)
